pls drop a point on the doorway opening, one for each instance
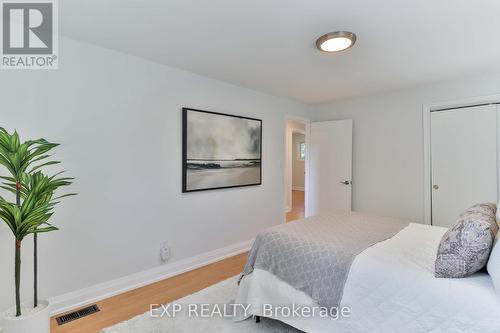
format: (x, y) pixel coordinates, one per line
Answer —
(296, 156)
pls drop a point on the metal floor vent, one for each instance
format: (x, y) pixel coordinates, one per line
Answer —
(77, 314)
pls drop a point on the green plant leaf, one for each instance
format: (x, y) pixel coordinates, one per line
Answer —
(37, 191)
(43, 165)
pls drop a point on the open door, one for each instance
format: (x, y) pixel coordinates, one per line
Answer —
(330, 167)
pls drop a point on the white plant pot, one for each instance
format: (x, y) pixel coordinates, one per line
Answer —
(32, 320)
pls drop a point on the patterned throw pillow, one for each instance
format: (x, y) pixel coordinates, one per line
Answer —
(465, 247)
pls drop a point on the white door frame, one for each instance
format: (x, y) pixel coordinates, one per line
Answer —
(426, 117)
(287, 164)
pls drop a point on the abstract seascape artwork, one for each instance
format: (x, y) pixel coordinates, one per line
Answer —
(220, 151)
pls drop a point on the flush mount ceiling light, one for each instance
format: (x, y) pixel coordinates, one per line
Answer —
(336, 41)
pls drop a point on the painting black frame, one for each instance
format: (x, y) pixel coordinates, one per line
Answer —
(184, 150)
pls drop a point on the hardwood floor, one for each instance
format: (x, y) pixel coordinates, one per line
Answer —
(125, 306)
(297, 211)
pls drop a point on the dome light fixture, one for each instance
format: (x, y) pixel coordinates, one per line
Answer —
(336, 41)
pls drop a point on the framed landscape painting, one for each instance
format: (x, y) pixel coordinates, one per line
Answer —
(220, 150)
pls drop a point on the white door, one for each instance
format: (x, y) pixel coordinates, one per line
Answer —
(330, 166)
(463, 160)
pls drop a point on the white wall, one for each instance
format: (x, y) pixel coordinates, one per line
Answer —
(298, 166)
(388, 142)
(118, 119)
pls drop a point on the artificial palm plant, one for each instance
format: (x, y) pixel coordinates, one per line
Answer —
(34, 195)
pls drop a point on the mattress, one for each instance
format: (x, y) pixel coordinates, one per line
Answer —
(391, 288)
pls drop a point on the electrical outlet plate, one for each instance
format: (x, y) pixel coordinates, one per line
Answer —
(164, 251)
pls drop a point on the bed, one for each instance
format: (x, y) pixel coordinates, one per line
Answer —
(390, 287)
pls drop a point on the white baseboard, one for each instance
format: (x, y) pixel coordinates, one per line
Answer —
(79, 298)
(298, 188)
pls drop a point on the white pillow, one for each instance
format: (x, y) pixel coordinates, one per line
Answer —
(498, 212)
(493, 265)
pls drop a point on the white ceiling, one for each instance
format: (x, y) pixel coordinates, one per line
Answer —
(268, 45)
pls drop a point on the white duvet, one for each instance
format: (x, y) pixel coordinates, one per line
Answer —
(391, 288)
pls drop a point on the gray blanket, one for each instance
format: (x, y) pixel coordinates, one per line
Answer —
(314, 255)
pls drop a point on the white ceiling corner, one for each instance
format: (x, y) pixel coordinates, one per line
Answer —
(269, 45)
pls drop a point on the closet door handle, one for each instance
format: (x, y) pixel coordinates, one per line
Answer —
(346, 182)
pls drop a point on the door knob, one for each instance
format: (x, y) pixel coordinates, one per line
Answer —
(436, 187)
(346, 182)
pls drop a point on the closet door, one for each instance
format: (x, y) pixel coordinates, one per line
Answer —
(463, 160)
